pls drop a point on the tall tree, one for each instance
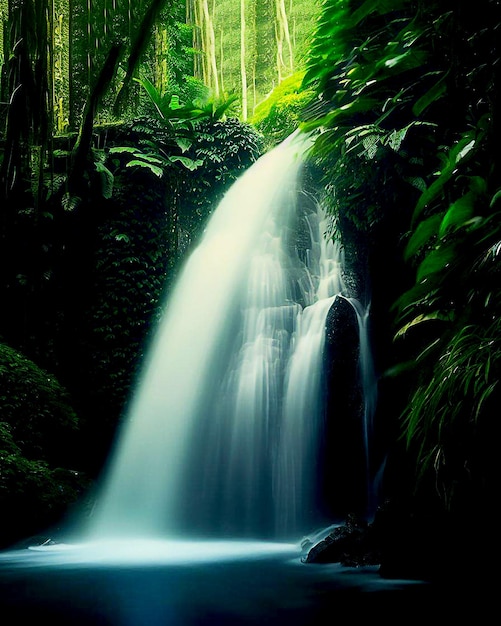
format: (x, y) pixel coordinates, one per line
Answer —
(204, 41)
(285, 60)
(260, 42)
(243, 71)
(29, 93)
(61, 64)
(27, 136)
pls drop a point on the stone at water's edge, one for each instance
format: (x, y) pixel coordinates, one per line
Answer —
(351, 544)
(405, 546)
(342, 475)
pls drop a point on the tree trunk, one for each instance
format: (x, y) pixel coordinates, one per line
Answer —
(212, 79)
(243, 72)
(284, 62)
(221, 62)
(61, 65)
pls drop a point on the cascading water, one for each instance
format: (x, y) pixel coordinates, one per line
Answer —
(221, 434)
(215, 474)
(369, 392)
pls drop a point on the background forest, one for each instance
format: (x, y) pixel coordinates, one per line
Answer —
(122, 125)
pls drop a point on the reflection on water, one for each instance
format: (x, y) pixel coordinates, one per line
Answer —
(143, 553)
(151, 583)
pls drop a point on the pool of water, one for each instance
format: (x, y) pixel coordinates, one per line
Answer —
(177, 583)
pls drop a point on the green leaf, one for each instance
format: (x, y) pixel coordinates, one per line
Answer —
(425, 230)
(424, 317)
(436, 261)
(478, 185)
(151, 158)
(222, 108)
(190, 164)
(495, 198)
(122, 237)
(419, 293)
(107, 180)
(175, 103)
(456, 154)
(458, 213)
(358, 105)
(183, 143)
(405, 61)
(485, 395)
(375, 6)
(433, 94)
(158, 171)
(121, 149)
(152, 92)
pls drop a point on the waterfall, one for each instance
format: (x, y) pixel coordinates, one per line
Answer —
(221, 433)
(369, 392)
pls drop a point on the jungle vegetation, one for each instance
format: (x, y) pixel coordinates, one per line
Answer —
(123, 123)
(408, 104)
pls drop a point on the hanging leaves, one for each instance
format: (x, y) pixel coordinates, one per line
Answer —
(422, 235)
(432, 95)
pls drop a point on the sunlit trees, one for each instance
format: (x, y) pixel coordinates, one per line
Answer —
(250, 46)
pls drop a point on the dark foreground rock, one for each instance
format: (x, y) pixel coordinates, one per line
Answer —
(406, 545)
(350, 544)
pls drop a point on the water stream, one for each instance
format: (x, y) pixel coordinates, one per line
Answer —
(221, 434)
(213, 478)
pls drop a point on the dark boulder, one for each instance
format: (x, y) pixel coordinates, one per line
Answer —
(350, 544)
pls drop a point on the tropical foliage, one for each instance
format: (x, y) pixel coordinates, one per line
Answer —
(280, 113)
(36, 416)
(108, 172)
(409, 123)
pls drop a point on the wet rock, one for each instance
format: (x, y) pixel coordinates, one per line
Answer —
(350, 544)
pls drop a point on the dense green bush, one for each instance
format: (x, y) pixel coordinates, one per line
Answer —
(36, 408)
(37, 430)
